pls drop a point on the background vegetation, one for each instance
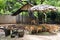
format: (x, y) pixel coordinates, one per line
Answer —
(11, 6)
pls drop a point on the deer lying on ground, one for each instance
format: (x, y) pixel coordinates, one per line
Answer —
(31, 29)
(43, 28)
(51, 28)
(39, 29)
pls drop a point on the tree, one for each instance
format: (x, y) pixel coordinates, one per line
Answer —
(42, 1)
(13, 5)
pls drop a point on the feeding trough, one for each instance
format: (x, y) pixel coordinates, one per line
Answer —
(44, 9)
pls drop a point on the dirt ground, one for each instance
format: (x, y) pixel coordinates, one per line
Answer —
(34, 37)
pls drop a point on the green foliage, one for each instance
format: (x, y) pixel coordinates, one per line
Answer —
(24, 13)
(11, 6)
(52, 2)
(2, 3)
(36, 14)
(2, 11)
(58, 3)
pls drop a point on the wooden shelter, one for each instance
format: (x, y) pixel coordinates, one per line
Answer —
(43, 8)
(39, 8)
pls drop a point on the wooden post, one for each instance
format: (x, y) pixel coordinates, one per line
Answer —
(22, 17)
(18, 19)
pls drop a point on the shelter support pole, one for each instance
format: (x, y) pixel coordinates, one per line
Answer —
(38, 20)
(42, 20)
(45, 19)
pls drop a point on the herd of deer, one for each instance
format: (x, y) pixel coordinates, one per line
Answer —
(36, 28)
(43, 28)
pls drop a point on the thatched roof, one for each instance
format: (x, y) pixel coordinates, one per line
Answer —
(23, 8)
(43, 8)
